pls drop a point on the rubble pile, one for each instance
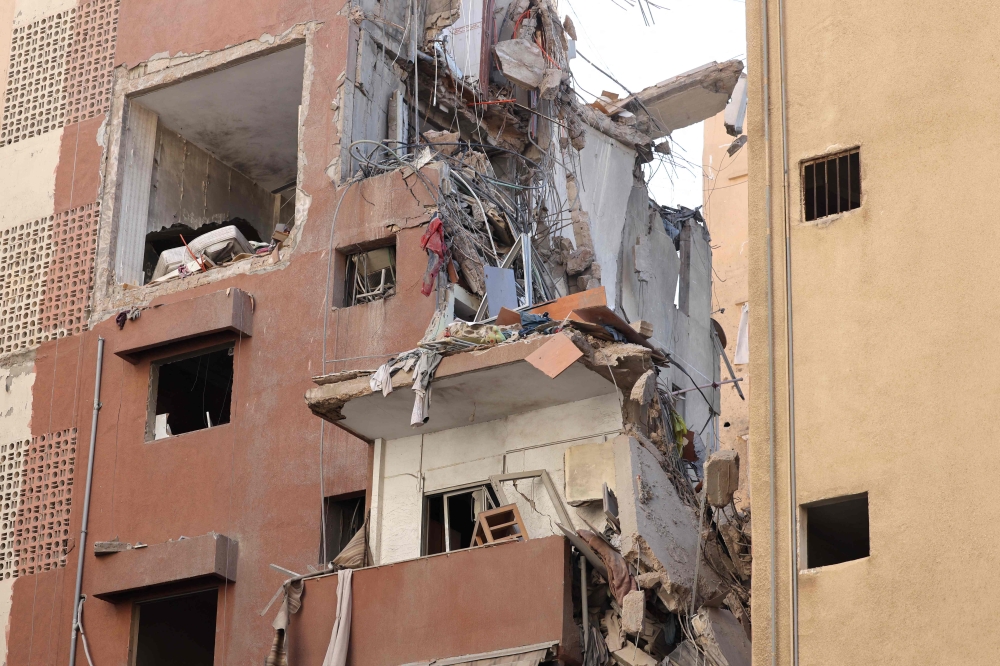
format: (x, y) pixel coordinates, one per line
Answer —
(666, 579)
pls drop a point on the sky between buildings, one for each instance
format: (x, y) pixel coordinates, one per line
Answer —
(684, 35)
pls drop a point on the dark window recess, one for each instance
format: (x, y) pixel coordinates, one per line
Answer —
(180, 630)
(451, 518)
(344, 517)
(832, 185)
(192, 393)
(371, 276)
(837, 531)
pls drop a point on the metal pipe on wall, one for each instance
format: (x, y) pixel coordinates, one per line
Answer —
(766, 98)
(793, 532)
(82, 543)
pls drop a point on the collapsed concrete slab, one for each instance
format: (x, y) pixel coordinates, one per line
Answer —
(720, 636)
(685, 99)
(658, 529)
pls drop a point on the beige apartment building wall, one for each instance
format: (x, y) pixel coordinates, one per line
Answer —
(893, 306)
(725, 211)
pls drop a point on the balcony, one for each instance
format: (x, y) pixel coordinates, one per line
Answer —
(468, 602)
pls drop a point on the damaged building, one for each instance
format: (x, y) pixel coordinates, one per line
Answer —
(353, 335)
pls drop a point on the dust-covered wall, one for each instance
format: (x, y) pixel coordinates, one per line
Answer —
(415, 466)
(190, 186)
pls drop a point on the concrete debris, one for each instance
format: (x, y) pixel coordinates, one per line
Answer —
(685, 99)
(630, 655)
(522, 62)
(736, 110)
(614, 634)
(569, 27)
(643, 328)
(579, 261)
(644, 389)
(447, 142)
(675, 598)
(732, 536)
(549, 85)
(439, 14)
(110, 547)
(588, 468)
(633, 611)
(720, 636)
(685, 654)
(722, 477)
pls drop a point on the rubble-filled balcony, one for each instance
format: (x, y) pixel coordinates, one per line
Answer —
(496, 446)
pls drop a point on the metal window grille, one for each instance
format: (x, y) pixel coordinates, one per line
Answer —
(832, 184)
(371, 276)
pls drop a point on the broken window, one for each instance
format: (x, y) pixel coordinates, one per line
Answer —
(178, 630)
(836, 530)
(344, 516)
(209, 168)
(371, 276)
(190, 392)
(450, 518)
(832, 184)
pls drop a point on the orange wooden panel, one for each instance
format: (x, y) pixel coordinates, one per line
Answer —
(555, 355)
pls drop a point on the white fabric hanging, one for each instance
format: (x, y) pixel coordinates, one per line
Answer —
(336, 653)
(742, 356)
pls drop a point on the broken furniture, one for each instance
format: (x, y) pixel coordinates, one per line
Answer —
(499, 525)
(371, 276)
(217, 246)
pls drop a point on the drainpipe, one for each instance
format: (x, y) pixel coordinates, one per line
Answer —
(793, 528)
(82, 543)
(790, 369)
(766, 95)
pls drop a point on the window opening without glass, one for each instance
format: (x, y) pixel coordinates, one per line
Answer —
(837, 530)
(178, 630)
(450, 518)
(371, 275)
(190, 393)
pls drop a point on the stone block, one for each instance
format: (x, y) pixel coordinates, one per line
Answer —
(722, 477)
(633, 611)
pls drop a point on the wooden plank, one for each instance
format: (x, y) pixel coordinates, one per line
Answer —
(561, 307)
(508, 317)
(555, 356)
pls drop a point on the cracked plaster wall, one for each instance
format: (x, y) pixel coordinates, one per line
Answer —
(461, 456)
(17, 377)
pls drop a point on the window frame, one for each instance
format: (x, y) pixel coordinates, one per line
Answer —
(810, 209)
(444, 494)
